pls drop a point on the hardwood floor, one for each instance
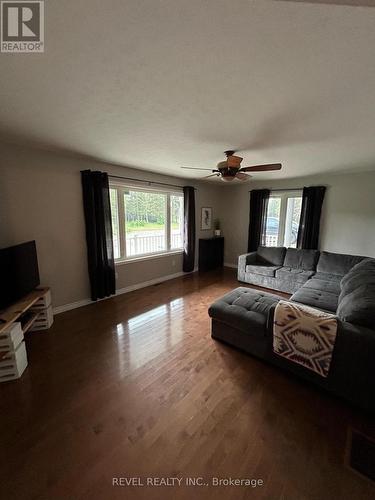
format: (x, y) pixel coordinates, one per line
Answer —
(134, 386)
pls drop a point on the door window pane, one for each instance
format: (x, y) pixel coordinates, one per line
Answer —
(115, 223)
(293, 213)
(283, 216)
(273, 221)
(177, 221)
(145, 222)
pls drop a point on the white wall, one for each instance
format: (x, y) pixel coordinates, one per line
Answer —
(348, 216)
(41, 199)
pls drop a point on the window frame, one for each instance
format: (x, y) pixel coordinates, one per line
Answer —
(121, 189)
(284, 197)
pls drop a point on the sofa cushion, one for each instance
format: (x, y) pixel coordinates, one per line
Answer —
(290, 274)
(337, 263)
(301, 259)
(358, 306)
(262, 269)
(332, 286)
(316, 298)
(271, 255)
(328, 277)
(362, 273)
(357, 297)
(245, 309)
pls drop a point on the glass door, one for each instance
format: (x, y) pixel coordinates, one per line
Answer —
(273, 221)
(283, 214)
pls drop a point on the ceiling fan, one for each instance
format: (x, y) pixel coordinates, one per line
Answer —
(230, 169)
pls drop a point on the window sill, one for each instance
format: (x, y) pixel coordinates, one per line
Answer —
(147, 257)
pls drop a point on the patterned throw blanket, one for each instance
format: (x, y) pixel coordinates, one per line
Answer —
(304, 335)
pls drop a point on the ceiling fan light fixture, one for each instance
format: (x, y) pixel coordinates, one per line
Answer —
(227, 178)
(222, 164)
(242, 177)
(234, 161)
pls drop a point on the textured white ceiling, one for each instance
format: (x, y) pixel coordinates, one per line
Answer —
(158, 84)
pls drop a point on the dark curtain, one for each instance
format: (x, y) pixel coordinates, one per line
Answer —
(309, 224)
(257, 219)
(99, 240)
(189, 229)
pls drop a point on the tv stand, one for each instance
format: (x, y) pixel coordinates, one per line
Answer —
(19, 311)
(32, 312)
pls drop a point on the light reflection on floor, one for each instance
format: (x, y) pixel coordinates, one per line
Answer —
(147, 335)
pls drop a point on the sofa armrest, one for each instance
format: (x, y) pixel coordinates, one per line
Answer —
(353, 360)
(243, 261)
(358, 345)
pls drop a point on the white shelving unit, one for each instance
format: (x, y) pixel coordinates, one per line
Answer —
(31, 313)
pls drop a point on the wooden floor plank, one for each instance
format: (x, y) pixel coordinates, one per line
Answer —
(135, 386)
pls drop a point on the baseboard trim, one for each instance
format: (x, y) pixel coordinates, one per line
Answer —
(120, 291)
(73, 305)
(233, 266)
(155, 281)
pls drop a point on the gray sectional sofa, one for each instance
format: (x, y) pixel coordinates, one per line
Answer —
(340, 284)
(287, 270)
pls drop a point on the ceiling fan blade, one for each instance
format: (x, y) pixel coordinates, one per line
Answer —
(212, 175)
(262, 168)
(196, 168)
(242, 177)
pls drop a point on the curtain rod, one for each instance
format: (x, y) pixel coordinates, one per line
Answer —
(146, 182)
(286, 189)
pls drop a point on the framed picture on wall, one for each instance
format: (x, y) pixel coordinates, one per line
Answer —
(206, 218)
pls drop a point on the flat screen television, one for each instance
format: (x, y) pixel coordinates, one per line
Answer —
(19, 272)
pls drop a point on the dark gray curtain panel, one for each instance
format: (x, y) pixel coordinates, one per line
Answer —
(100, 257)
(257, 218)
(309, 224)
(189, 229)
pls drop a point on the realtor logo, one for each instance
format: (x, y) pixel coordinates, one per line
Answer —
(22, 26)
